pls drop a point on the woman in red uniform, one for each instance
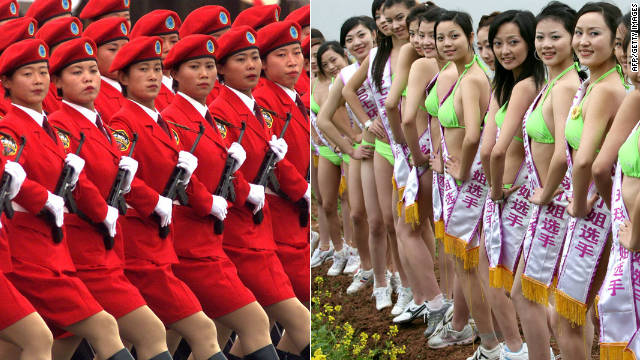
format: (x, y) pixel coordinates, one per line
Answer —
(251, 246)
(282, 64)
(23, 333)
(75, 74)
(203, 264)
(110, 35)
(42, 268)
(148, 256)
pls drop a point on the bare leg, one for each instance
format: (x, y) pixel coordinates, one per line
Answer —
(329, 181)
(377, 230)
(173, 340)
(295, 319)
(251, 324)
(63, 349)
(200, 332)
(345, 208)
(30, 336)
(143, 328)
(358, 213)
(101, 331)
(323, 224)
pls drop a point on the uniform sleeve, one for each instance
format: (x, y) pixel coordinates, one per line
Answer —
(32, 195)
(89, 199)
(291, 182)
(141, 197)
(241, 188)
(200, 199)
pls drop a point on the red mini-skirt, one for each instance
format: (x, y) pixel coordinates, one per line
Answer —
(13, 306)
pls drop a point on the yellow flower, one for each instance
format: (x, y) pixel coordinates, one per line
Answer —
(331, 319)
(318, 280)
(393, 330)
(317, 355)
(576, 112)
(375, 337)
(328, 308)
(338, 308)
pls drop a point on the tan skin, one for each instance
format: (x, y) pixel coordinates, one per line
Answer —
(168, 42)
(105, 55)
(470, 101)
(553, 45)
(28, 87)
(484, 48)
(143, 85)
(196, 79)
(241, 71)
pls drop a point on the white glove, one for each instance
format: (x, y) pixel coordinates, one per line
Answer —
(17, 177)
(256, 196)
(164, 209)
(237, 152)
(111, 220)
(77, 163)
(131, 167)
(189, 163)
(55, 204)
(278, 146)
(219, 207)
(307, 195)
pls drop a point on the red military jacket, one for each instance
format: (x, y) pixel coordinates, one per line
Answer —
(164, 98)
(302, 87)
(239, 227)
(102, 156)
(157, 156)
(52, 101)
(5, 103)
(214, 93)
(194, 236)
(109, 101)
(42, 159)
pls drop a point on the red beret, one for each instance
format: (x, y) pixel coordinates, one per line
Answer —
(191, 47)
(258, 16)
(71, 52)
(9, 9)
(205, 20)
(107, 30)
(300, 16)
(43, 10)
(60, 30)
(142, 48)
(23, 53)
(237, 39)
(157, 22)
(276, 35)
(16, 30)
(96, 8)
(305, 44)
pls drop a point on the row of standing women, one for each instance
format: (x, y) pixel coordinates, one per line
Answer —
(507, 162)
(133, 176)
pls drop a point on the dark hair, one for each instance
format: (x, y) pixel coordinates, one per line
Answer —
(326, 46)
(625, 20)
(352, 22)
(375, 6)
(609, 12)
(459, 18)
(316, 37)
(561, 13)
(432, 14)
(414, 13)
(124, 70)
(627, 38)
(503, 81)
(486, 20)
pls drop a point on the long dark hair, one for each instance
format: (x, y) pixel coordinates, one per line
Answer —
(503, 81)
(354, 21)
(609, 12)
(326, 46)
(384, 46)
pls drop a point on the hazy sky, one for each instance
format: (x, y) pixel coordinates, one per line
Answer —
(328, 15)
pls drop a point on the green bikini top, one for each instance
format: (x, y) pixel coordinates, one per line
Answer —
(536, 127)
(314, 105)
(629, 156)
(499, 118)
(447, 112)
(431, 103)
(573, 130)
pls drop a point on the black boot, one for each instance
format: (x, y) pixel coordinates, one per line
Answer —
(162, 356)
(218, 356)
(123, 354)
(283, 355)
(266, 353)
(306, 352)
(233, 357)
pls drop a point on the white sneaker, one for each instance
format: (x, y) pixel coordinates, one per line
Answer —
(411, 312)
(353, 263)
(361, 279)
(445, 336)
(405, 295)
(482, 353)
(506, 354)
(437, 317)
(396, 283)
(339, 261)
(383, 297)
(320, 256)
(315, 238)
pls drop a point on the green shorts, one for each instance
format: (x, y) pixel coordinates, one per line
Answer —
(346, 158)
(328, 154)
(384, 149)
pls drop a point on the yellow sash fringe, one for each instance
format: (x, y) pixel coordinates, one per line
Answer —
(343, 186)
(412, 215)
(595, 305)
(315, 160)
(439, 230)
(458, 247)
(570, 308)
(535, 291)
(400, 203)
(615, 351)
(501, 277)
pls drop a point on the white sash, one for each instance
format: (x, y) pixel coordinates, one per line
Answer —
(584, 243)
(545, 234)
(364, 94)
(617, 309)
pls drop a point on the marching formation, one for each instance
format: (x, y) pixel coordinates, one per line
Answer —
(156, 182)
(506, 153)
